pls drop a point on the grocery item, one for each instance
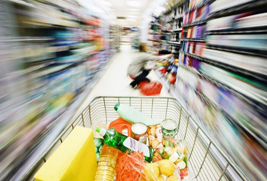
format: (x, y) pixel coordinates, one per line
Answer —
(160, 171)
(166, 167)
(173, 178)
(73, 160)
(132, 115)
(139, 131)
(130, 167)
(150, 88)
(99, 142)
(120, 125)
(123, 143)
(151, 171)
(183, 173)
(107, 164)
(169, 128)
(155, 136)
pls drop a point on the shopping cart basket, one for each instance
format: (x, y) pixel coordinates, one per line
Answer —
(206, 161)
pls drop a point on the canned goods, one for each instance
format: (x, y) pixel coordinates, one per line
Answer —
(169, 128)
(139, 131)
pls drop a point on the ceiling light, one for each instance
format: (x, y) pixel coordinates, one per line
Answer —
(134, 3)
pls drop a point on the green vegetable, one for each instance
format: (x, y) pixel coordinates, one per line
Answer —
(98, 142)
(185, 160)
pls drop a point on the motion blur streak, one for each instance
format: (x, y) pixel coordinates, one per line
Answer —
(51, 52)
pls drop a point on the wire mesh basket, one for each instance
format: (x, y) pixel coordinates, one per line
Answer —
(206, 162)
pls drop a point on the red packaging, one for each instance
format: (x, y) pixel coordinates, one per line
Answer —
(150, 88)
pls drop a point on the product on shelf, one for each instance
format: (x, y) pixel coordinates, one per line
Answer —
(54, 50)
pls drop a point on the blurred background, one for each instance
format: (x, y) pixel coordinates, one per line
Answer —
(53, 52)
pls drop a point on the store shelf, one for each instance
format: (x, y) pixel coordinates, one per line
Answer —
(177, 30)
(155, 33)
(257, 135)
(175, 19)
(167, 33)
(156, 24)
(174, 43)
(238, 9)
(249, 30)
(201, 5)
(195, 23)
(62, 120)
(239, 94)
(153, 40)
(193, 39)
(22, 3)
(237, 69)
(180, 3)
(26, 39)
(246, 51)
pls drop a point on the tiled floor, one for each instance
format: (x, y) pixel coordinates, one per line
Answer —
(115, 81)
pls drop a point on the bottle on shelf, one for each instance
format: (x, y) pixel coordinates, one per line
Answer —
(124, 143)
(106, 168)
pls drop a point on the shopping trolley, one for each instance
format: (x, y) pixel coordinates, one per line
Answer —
(206, 162)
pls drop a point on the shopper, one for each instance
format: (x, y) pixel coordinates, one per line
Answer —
(137, 69)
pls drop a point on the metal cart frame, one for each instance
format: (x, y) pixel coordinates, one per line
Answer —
(206, 161)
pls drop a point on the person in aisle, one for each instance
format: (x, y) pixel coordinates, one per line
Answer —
(138, 70)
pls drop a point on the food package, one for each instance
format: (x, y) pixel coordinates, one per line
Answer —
(155, 136)
(73, 160)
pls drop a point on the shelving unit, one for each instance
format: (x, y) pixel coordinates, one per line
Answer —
(194, 23)
(226, 81)
(52, 61)
(193, 39)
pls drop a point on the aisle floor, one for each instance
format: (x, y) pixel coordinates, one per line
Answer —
(115, 81)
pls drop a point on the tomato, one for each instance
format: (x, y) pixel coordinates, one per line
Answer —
(183, 173)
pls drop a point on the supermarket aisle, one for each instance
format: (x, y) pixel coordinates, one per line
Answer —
(115, 81)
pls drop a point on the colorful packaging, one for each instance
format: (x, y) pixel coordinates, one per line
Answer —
(155, 136)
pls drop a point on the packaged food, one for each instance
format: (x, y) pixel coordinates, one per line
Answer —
(155, 136)
(169, 128)
(139, 131)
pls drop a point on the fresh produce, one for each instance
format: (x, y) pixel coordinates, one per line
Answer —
(166, 167)
(99, 142)
(173, 178)
(174, 150)
(181, 165)
(151, 171)
(160, 178)
(156, 157)
(130, 167)
(183, 173)
(155, 136)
